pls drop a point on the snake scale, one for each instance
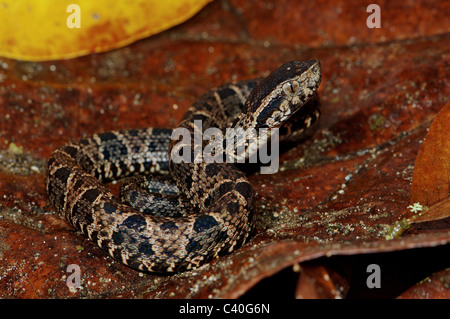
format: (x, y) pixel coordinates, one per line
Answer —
(214, 214)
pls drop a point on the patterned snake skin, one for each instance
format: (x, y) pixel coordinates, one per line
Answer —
(213, 215)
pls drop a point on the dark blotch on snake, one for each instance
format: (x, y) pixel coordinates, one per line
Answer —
(108, 136)
(203, 223)
(109, 209)
(168, 226)
(72, 151)
(145, 248)
(77, 186)
(117, 238)
(212, 169)
(224, 188)
(135, 222)
(62, 174)
(245, 190)
(193, 245)
(90, 195)
(232, 208)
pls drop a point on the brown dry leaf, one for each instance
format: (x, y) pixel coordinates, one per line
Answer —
(335, 194)
(434, 287)
(320, 282)
(438, 211)
(431, 177)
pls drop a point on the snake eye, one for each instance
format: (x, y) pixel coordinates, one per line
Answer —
(287, 88)
(290, 87)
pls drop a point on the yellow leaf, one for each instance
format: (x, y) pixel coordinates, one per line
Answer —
(38, 30)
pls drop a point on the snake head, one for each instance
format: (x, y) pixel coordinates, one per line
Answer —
(281, 94)
(273, 100)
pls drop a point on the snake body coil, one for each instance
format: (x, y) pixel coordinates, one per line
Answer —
(215, 214)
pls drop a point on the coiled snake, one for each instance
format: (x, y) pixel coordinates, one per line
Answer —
(214, 213)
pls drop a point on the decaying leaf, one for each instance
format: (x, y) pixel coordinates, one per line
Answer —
(433, 218)
(334, 196)
(434, 287)
(320, 282)
(431, 177)
(53, 29)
